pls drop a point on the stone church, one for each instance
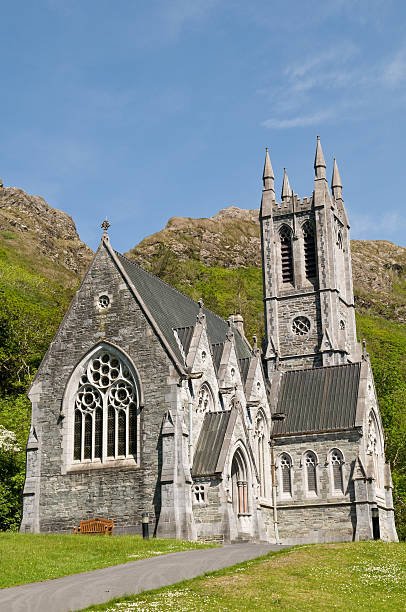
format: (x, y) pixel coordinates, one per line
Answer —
(148, 402)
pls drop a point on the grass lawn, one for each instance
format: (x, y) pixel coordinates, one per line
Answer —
(357, 576)
(31, 558)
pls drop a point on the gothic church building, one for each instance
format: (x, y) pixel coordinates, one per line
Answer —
(146, 401)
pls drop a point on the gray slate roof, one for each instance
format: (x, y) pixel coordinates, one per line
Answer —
(172, 309)
(210, 443)
(321, 399)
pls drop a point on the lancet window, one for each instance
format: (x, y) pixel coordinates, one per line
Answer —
(285, 465)
(374, 449)
(260, 434)
(337, 470)
(239, 480)
(105, 410)
(310, 466)
(309, 246)
(285, 236)
(205, 399)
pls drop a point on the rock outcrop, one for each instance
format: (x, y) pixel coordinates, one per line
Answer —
(231, 239)
(46, 230)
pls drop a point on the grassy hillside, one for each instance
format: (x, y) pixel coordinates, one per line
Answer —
(39, 274)
(35, 293)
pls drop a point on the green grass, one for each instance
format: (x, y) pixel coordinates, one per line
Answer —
(32, 558)
(357, 576)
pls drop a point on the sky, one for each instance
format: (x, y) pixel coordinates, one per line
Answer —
(139, 111)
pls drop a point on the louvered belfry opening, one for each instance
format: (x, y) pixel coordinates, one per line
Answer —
(309, 251)
(286, 254)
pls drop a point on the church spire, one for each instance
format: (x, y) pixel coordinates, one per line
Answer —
(286, 190)
(319, 161)
(268, 175)
(336, 184)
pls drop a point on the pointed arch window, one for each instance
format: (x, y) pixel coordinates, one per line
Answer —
(205, 399)
(337, 470)
(311, 477)
(106, 408)
(239, 480)
(285, 464)
(309, 246)
(285, 236)
(260, 434)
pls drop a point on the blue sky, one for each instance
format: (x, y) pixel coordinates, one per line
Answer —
(144, 110)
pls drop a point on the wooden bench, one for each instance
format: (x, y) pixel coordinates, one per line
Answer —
(95, 525)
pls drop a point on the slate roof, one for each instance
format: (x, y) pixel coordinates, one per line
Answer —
(185, 335)
(217, 351)
(244, 365)
(172, 309)
(210, 443)
(321, 399)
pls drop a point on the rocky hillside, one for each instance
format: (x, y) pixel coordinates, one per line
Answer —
(231, 240)
(42, 260)
(41, 230)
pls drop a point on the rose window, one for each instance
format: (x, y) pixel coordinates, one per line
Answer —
(104, 301)
(106, 404)
(301, 326)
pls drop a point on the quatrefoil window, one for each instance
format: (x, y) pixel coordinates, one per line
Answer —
(104, 301)
(301, 326)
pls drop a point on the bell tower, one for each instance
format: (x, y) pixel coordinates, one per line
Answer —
(307, 276)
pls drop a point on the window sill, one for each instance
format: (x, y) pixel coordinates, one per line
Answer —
(99, 465)
(240, 514)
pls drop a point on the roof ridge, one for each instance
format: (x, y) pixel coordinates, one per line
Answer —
(134, 263)
(328, 367)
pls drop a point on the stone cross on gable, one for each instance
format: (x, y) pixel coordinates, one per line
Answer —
(105, 226)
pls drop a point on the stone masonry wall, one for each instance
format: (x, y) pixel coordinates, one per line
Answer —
(329, 515)
(121, 493)
(209, 515)
(295, 345)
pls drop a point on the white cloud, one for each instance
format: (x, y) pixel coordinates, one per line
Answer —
(299, 121)
(364, 226)
(394, 73)
(339, 79)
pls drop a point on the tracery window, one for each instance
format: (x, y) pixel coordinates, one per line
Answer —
(286, 478)
(309, 246)
(285, 236)
(261, 450)
(310, 466)
(300, 326)
(239, 480)
(205, 399)
(337, 470)
(105, 409)
(199, 493)
(374, 449)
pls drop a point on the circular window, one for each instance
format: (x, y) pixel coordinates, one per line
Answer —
(301, 326)
(204, 355)
(104, 301)
(342, 324)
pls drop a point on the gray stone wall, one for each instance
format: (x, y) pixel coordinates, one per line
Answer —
(121, 493)
(294, 345)
(209, 515)
(329, 515)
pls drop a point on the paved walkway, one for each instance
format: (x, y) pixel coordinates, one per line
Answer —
(81, 590)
